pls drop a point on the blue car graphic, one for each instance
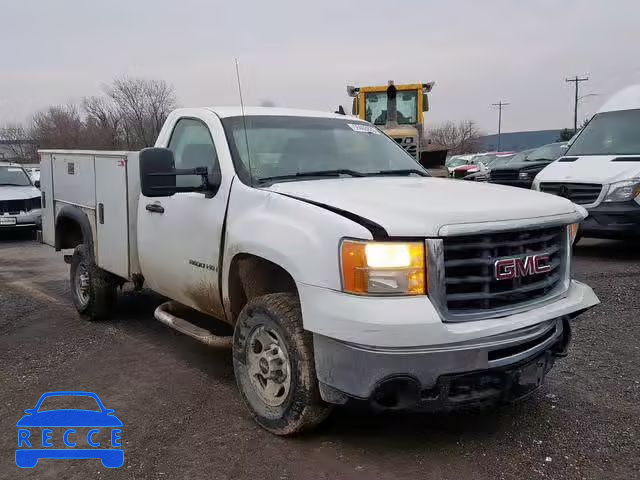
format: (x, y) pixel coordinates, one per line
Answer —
(29, 452)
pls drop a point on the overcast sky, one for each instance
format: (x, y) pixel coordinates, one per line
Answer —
(303, 54)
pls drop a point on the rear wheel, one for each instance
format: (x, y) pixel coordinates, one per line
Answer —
(93, 290)
(274, 365)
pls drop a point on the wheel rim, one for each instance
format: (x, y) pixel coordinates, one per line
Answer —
(81, 284)
(268, 366)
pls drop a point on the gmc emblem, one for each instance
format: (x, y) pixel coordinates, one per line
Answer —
(510, 268)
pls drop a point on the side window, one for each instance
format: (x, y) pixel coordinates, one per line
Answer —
(192, 147)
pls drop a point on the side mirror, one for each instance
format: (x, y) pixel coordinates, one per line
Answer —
(354, 106)
(425, 103)
(157, 172)
(37, 183)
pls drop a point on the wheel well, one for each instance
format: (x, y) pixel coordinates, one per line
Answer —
(251, 276)
(68, 233)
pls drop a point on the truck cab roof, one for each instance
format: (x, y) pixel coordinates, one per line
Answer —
(224, 112)
(626, 99)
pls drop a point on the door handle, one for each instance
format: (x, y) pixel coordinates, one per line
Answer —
(155, 207)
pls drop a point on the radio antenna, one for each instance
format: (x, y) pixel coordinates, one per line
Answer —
(244, 122)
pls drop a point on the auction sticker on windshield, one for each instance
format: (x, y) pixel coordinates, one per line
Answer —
(54, 430)
(362, 128)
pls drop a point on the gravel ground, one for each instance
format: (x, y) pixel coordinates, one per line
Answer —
(183, 417)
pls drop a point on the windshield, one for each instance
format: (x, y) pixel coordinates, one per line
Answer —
(13, 176)
(456, 162)
(610, 133)
(375, 105)
(519, 157)
(549, 152)
(290, 146)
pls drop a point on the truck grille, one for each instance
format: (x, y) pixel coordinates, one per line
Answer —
(14, 207)
(469, 269)
(503, 175)
(580, 193)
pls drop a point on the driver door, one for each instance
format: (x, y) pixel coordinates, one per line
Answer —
(179, 236)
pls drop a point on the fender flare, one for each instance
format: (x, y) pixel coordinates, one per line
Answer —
(77, 215)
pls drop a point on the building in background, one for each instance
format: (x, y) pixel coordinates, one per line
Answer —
(518, 141)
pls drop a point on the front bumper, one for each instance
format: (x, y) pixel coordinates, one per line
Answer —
(364, 346)
(32, 218)
(612, 220)
(494, 369)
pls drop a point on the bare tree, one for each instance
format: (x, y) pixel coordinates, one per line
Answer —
(463, 137)
(58, 127)
(129, 116)
(142, 106)
(102, 124)
(16, 139)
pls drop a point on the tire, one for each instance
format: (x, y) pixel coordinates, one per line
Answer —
(277, 318)
(92, 289)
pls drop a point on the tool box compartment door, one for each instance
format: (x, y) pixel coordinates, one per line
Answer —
(112, 216)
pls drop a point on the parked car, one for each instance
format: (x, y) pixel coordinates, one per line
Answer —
(601, 169)
(346, 272)
(456, 161)
(488, 162)
(520, 172)
(34, 173)
(20, 205)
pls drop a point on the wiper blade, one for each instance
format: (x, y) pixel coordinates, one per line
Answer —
(319, 173)
(406, 171)
(13, 185)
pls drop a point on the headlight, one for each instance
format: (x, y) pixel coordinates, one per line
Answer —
(623, 191)
(383, 268)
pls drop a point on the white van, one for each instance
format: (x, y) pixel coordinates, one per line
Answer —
(601, 169)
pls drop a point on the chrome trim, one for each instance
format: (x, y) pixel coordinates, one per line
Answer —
(437, 288)
(559, 330)
(494, 342)
(458, 229)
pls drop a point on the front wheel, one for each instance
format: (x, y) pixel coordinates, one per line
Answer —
(274, 365)
(92, 289)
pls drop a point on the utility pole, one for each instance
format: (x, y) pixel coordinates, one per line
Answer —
(500, 104)
(576, 80)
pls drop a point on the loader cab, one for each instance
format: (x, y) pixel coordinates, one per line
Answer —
(396, 109)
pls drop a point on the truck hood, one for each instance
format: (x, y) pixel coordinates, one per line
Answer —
(420, 206)
(10, 192)
(591, 169)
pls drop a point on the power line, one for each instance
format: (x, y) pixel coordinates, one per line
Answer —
(500, 105)
(576, 80)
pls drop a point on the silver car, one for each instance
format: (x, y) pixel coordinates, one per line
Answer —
(20, 203)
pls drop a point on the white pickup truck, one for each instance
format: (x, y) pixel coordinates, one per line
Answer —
(347, 273)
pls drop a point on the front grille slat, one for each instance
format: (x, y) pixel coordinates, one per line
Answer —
(14, 207)
(470, 281)
(491, 259)
(550, 280)
(580, 193)
(513, 243)
(504, 175)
